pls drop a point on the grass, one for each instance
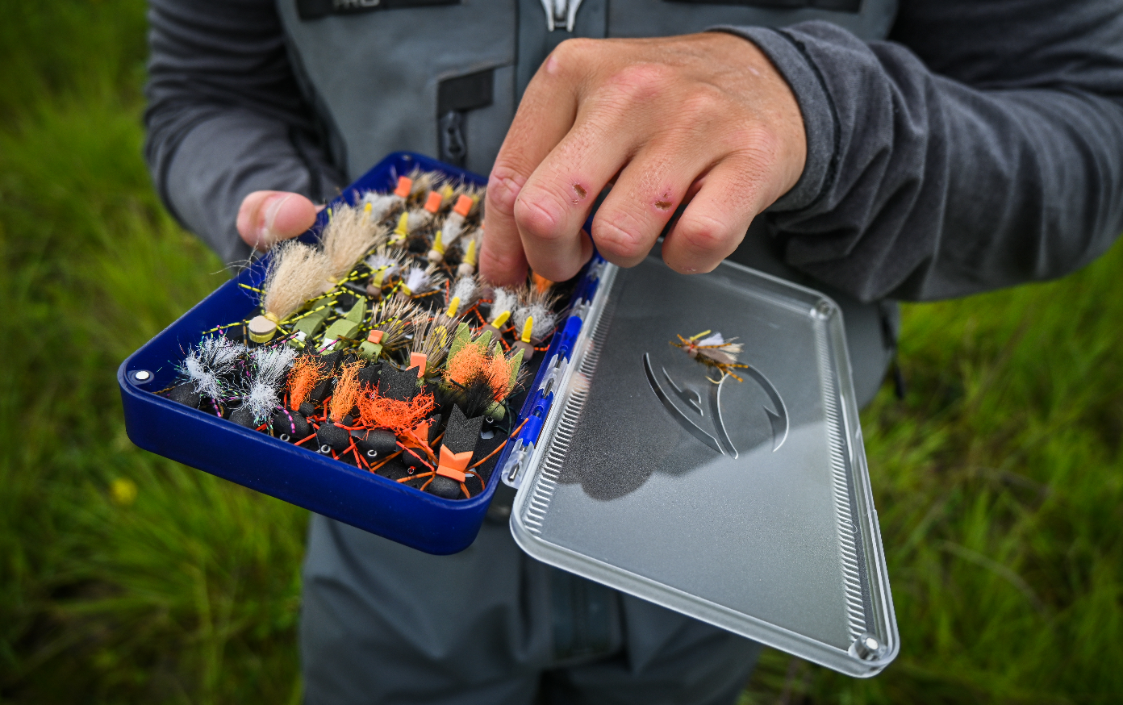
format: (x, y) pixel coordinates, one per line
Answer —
(998, 479)
(189, 592)
(1000, 497)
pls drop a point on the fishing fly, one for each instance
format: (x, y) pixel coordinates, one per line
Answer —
(714, 351)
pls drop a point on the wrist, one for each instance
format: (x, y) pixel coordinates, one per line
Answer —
(817, 119)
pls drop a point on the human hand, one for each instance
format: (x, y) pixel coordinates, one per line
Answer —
(703, 119)
(267, 217)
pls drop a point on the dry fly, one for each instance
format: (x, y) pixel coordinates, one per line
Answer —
(349, 236)
(536, 306)
(713, 351)
(384, 264)
(393, 317)
(425, 181)
(432, 337)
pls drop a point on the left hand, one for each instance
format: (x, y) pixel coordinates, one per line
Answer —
(267, 217)
(703, 119)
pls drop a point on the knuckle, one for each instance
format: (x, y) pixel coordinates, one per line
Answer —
(703, 104)
(539, 216)
(639, 83)
(705, 234)
(757, 143)
(619, 235)
(503, 189)
(575, 47)
(570, 58)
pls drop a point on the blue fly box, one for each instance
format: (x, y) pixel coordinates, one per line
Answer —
(297, 475)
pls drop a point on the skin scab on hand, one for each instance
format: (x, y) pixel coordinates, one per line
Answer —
(581, 193)
(664, 203)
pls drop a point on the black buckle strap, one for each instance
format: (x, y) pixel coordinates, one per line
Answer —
(455, 97)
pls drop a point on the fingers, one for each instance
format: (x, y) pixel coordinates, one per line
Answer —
(671, 123)
(645, 198)
(616, 118)
(556, 199)
(267, 217)
(715, 221)
(545, 115)
(502, 261)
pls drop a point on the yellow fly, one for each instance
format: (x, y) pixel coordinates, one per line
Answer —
(712, 350)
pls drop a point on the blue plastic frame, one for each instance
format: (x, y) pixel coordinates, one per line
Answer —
(297, 475)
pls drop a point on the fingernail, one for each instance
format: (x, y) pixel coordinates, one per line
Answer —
(266, 235)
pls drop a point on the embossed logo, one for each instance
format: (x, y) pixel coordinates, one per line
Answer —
(691, 411)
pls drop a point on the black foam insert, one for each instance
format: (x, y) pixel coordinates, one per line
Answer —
(243, 417)
(398, 384)
(185, 394)
(369, 375)
(462, 434)
(333, 437)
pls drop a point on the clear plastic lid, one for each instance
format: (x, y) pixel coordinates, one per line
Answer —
(745, 504)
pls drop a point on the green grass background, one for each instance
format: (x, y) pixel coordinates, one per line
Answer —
(998, 479)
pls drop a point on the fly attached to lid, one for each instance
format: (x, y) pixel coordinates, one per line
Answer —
(713, 351)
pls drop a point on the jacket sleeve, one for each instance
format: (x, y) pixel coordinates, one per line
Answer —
(225, 116)
(981, 147)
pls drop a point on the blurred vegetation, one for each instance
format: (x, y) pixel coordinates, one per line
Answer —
(125, 578)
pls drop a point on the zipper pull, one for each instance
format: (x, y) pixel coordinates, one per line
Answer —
(559, 11)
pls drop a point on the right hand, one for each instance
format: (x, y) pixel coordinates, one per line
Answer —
(704, 121)
(268, 217)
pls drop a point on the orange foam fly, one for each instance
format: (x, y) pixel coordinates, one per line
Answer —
(377, 411)
(499, 372)
(305, 374)
(468, 362)
(346, 393)
(471, 362)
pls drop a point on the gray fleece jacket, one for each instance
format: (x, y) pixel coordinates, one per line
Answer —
(978, 145)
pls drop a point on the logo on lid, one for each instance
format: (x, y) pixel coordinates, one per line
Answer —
(688, 408)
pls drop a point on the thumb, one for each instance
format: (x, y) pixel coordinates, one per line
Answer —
(267, 217)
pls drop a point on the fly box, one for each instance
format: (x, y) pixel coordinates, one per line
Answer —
(693, 440)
